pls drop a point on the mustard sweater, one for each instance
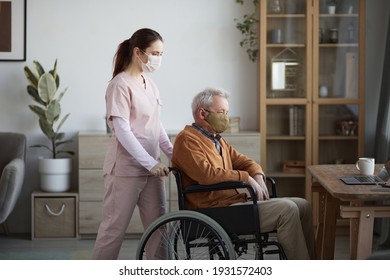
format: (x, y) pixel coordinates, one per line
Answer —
(198, 159)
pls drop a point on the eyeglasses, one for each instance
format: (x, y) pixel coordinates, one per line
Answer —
(220, 112)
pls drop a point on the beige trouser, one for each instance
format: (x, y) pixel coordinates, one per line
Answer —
(123, 194)
(292, 218)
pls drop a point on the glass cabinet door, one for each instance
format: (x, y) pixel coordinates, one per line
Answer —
(338, 88)
(285, 82)
(286, 51)
(338, 50)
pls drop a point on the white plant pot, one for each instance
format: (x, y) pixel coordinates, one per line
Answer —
(55, 174)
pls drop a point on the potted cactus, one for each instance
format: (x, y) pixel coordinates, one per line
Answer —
(55, 171)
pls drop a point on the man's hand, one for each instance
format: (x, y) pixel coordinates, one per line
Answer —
(260, 187)
(159, 170)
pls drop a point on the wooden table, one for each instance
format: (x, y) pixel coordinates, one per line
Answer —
(361, 210)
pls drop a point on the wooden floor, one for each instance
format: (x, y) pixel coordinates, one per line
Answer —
(23, 248)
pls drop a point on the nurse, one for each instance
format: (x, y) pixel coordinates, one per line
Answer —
(133, 173)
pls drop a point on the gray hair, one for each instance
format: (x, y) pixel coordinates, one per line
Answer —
(204, 99)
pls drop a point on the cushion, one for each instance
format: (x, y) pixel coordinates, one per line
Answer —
(11, 182)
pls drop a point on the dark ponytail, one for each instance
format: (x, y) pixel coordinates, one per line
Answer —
(142, 39)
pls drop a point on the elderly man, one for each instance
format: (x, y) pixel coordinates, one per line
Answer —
(206, 158)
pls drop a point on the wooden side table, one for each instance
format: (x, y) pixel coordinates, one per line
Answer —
(54, 215)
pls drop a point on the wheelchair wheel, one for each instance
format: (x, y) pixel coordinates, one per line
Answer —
(185, 235)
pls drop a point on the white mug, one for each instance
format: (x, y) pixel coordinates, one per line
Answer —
(366, 166)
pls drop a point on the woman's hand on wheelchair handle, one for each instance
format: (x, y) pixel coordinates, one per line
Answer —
(159, 170)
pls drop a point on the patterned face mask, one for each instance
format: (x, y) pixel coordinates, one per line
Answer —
(218, 121)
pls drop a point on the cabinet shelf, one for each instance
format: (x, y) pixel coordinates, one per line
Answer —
(285, 138)
(337, 137)
(338, 15)
(339, 45)
(286, 16)
(281, 174)
(286, 101)
(287, 45)
(338, 101)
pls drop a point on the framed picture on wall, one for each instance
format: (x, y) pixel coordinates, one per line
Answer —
(12, 30)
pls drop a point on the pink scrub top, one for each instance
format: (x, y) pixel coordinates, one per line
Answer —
(127, 98)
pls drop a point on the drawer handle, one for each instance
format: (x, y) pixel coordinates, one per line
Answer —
(53, 213)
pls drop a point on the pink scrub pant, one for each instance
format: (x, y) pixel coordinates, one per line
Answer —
(123, 194)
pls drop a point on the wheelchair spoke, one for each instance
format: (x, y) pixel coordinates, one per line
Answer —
(185, 236)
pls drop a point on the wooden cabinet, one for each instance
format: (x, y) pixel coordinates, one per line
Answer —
(92, 150)
(311, 88)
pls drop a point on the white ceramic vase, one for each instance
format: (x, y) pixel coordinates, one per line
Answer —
(332, 10)
(55, 174)
(323, 91)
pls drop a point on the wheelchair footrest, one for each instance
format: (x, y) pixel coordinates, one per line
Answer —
(271, 252)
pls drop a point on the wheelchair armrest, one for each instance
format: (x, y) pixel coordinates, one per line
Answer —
(220, 186)
(230, 185)
(273, 187)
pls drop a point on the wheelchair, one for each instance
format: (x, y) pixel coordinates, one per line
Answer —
(219, 233)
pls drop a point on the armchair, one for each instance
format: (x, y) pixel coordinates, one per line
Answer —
(12, 170)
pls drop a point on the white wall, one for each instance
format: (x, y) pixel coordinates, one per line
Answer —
(201, 49)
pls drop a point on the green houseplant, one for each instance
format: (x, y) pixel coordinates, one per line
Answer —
(248, 26)
(43, 87)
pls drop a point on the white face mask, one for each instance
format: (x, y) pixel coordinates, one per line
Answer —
(154, 62)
